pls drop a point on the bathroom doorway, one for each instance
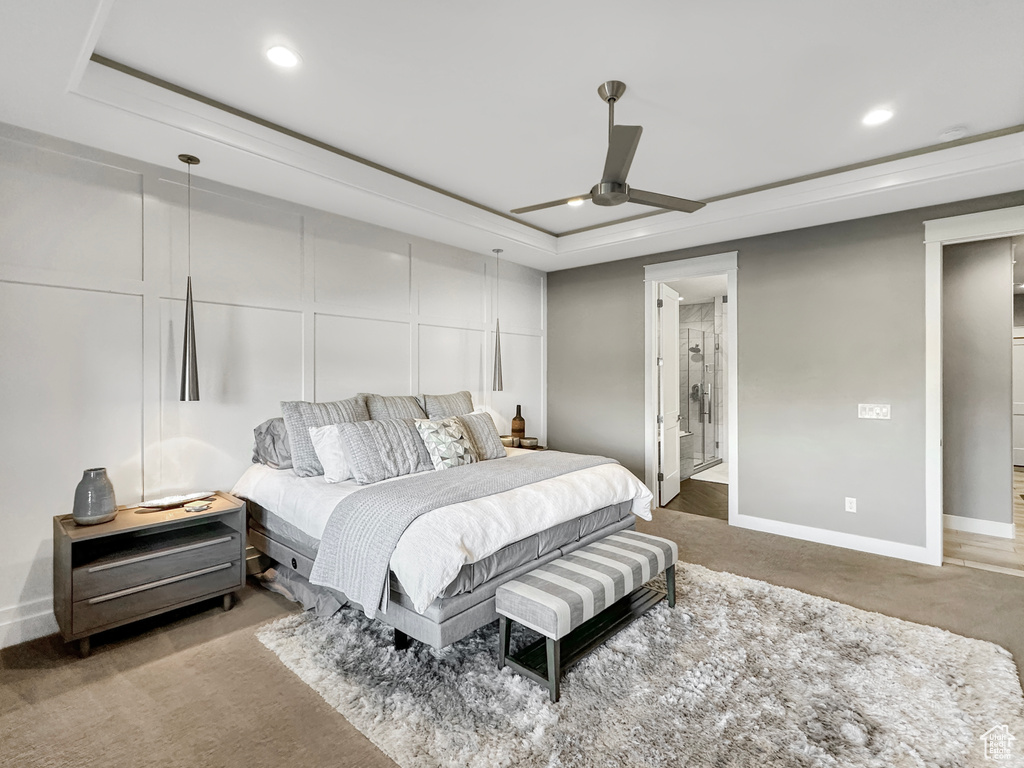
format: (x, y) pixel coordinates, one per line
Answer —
(705, 322)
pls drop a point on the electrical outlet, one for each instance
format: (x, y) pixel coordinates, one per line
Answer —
(874, 411)
(851, 504)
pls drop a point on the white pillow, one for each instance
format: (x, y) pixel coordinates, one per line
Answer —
(327, 444)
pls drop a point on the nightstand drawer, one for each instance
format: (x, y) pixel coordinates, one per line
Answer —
(102, 610)
(153, 558)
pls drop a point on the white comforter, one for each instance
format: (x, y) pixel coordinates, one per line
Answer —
(436, 545)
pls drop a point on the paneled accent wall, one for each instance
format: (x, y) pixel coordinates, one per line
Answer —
(290, 302)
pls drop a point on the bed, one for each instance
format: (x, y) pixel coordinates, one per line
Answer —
(447, 564)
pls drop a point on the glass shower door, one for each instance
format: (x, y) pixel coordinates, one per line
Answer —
(701, 374)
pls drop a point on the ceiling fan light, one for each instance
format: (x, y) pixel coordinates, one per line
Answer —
(877, 116)
(576, 202)
(283, 57)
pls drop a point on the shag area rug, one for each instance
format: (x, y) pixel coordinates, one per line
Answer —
(740, 673)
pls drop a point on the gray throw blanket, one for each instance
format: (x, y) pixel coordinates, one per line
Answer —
(364, 529)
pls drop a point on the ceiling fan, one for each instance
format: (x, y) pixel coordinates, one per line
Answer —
(613, 189)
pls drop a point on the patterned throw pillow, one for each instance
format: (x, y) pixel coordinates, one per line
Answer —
(300, 417)
(446, 442)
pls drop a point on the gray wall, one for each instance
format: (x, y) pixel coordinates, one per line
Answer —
(828, 317)
(1018, 310)
(976, 381)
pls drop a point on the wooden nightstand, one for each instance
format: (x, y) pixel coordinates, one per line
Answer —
(144, 562)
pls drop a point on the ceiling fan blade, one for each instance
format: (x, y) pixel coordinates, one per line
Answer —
(552, 204)
(621, 149)
(664, 201)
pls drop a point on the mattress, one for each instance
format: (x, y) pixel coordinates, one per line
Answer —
(472, 575)
(470, 542)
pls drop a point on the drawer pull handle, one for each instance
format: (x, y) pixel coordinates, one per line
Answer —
(155, 584)
(161, 553)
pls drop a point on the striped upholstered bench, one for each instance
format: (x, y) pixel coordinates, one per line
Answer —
(580, 599)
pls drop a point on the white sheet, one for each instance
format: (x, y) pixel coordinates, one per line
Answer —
(305, 502)
(457, 534)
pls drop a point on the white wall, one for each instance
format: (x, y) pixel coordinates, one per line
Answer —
(290, 303)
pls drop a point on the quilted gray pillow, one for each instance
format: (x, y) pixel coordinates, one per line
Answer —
(300, 417)
(446, 442)
(483, 436)
(443, 406)
(383, 407)
(380, 450)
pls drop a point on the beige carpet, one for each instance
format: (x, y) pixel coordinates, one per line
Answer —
(198, 689)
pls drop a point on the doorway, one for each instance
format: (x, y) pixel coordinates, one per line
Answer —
(982, 385)
(950, 514)
(690, 424)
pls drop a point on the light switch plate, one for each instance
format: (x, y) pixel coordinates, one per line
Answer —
(874, 411)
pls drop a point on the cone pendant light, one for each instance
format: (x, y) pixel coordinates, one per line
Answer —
(496, 381)
(189, 369)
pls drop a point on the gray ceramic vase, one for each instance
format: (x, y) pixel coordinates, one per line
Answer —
(94, 498)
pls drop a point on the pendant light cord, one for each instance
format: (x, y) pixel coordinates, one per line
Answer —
(189, 166)
(497, 281)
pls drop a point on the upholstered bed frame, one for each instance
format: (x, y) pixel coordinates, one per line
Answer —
(451, 618)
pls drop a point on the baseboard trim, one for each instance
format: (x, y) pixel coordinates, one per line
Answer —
(27, 621)
(983, 527)
(872, 546)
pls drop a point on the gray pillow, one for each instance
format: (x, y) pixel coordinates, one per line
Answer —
(483, 436)
(271, 446)
(443, 406)
(300, 417)
(379, 450)
(383, 407)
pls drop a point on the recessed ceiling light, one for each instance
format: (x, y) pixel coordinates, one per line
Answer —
(877, 116)
(283, 57)
(576, 202)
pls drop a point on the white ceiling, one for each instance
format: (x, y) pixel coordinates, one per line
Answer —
(497, 103)
(700, 290)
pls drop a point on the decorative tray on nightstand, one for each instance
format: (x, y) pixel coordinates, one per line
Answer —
(174, 501)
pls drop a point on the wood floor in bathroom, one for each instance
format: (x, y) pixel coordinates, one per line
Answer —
(700, 498)
(990, 553)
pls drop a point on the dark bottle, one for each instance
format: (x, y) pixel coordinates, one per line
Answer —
(519, 423)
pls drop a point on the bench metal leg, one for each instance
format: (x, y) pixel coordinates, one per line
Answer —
(554, 667)
(504, 640)
(402, 640)
(670, 582)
